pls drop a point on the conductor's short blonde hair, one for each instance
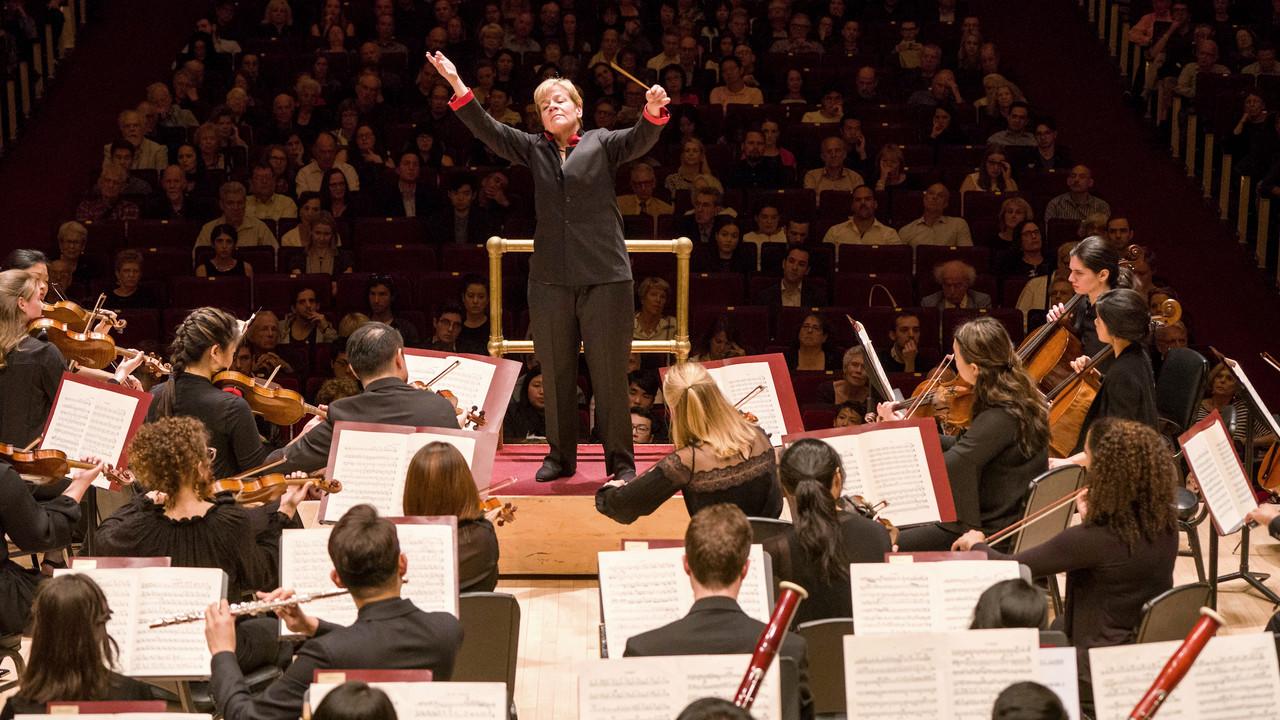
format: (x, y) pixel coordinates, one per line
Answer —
(546, 87)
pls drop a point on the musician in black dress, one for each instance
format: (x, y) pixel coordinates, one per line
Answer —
(204, 344)
(720, 457)
(824, 537)
(439, 482)
(580, 285)
(990, 464)
(1128, 387)
(1095, 269)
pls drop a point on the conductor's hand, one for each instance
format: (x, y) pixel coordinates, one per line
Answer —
(448, 71)
(656, 98)
(220, 628)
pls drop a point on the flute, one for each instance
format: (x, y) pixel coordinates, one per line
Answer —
(255, 607)
(1178, 665)
(770, 643)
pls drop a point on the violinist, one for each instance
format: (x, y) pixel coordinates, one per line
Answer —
(1006, 445)
(824, 538)
(439, 482)
(34, 262)
(204, 344)
(1122, 553)
(1095, 269)
(720, 457)
(375, 352)
(1128, 388)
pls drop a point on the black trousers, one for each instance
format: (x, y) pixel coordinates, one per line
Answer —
(601, 318)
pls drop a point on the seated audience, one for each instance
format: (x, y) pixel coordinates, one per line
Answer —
(956, 277)
(904, 353)
(935, 227)
(305, 324)
(263, 202)
(250, 231)
(474, 336)
(439, 482)
(719, 342)
(462, 222)
(641, 200)
(651, 321)
(1078, 202)
(810, 350)
(848, 413)
(1012, 211)
(853, 385)
(755, 171)
(447, 325)
(128, 294)
(107, 203)
(792, 291)
(322, 256)
(727, 253)
(995, 176)
(833, 175)
(1050, 155)
(862, 227)
(224, 263)
(1015, 133)
(1028, 259)
(382, 298)
(526, 419)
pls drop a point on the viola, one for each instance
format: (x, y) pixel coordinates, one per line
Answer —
(472, 419)
(498, 512)
(69, 313)
(49, 464)
(265, 488)
(278, 405)
(859, 504)
(944, 395)
(747, 414)
(92, 350)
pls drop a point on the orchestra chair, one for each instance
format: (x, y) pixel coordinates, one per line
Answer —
(11, 647)
(1044, 490)
(1179, 388)
(491, 640)
(1171, 614)
(763, 528)
(826, 662)
(1054, 638)
(789, 683)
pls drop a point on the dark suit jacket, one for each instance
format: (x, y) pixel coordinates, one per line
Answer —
(579, 230)
(389, 400)
(391, 203)
(771, 296)
(717, 626)
(481, 225)
(387, 635)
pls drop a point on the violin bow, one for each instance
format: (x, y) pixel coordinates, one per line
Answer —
(1268, 359)
(745, 398)
(93, 314)
(272, 376)
(937, 376)
(258, 470)
(452, 366)
(1036, 516)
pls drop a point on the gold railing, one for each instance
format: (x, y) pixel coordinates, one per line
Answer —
(681, 247)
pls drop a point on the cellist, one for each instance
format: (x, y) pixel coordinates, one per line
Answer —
(1094, 269)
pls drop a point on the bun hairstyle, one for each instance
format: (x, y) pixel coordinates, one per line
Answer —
(808, 472)
(204, 328)
(1097, 254)
(1126, 314)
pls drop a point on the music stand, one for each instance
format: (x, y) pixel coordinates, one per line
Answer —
(1253, 578)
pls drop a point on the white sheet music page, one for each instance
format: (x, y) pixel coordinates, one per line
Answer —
(371, 467)
(90, 421)
(1253, 395)
(469, 382)
(935, 675)
(896, 469)
(432, 577)
(1234, 677)
(305, 567)
(1211, 453)
(434, 700)
(122, 589)
(119, 716)
(891, 598)
(658, 688)
(737, 381)
(1059, 673)
(177, 650)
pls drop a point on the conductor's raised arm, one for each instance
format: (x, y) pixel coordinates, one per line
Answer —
(509, 143)
(633, 142)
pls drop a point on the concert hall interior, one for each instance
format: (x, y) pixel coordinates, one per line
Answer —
(943, 396)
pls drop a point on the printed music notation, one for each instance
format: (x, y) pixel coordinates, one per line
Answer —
(658, 688)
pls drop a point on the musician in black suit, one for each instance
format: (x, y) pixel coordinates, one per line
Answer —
(390, 632)
(716, 546)
(580, 285)
(375, 352)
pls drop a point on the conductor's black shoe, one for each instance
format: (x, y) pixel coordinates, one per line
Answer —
(552, 470)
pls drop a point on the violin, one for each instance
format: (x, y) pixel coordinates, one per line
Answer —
(92, 350)
(69, 313)
(859, 504)
(747, 414)
(494, 509)
(943, 384)
(50, 464)
(266, 488)
(278, 405)
(472, 419)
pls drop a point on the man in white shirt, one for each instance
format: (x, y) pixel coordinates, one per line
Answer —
(250, 231)
(670, 54)
(829, 111)
(862, 227)
(833, 175)
(264, 202)
(148, 154)
(934, 227)
(324, 154)
(734, 91)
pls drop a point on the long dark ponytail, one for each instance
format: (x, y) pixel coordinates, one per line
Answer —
(808, 471)
(204, 328)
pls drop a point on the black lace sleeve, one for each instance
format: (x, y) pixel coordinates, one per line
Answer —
(643, 495)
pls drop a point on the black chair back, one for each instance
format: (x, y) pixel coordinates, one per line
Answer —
(764, 528)
(826, 662)
(1171, 614)
(1045, 490)
(1180, 386)
(491, 639)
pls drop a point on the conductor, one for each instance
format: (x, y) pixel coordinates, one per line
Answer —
(580, 285)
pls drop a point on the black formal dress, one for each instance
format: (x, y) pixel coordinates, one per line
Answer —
(28, 383)
(387, 635)
(751, 484)
(1128, 391)
(233, 434)
(1082, 327)
(989, 479)
(477, 556)
(863, 541)
(389, 400)
(717, 626)
(120, 688)
(580, 286)
(33, 527)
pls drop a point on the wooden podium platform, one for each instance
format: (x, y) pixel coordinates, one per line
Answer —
(557, 530)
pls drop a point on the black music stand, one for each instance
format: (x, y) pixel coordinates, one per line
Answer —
(1243, 572)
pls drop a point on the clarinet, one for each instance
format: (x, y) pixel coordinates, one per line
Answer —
(256, 607)
(770, 643)
(1178, 665)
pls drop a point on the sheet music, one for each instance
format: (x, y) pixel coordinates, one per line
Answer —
(1258, 405)
(873, 361)
(469, 382)
(893, 462)
(893, 598)
(658, 688)
(1211, 454)
(140, 596)
(305, 567)
(434, 700)
(433, 565)
(90, 421)
(736, 381)
(120, 716)
(935, 675)
(641, 590)
(1235, 676)
(372, 466)
(1059, 673)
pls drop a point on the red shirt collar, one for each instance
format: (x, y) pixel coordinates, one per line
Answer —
(573, 139)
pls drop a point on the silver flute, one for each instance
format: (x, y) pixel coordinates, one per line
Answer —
(255, 607)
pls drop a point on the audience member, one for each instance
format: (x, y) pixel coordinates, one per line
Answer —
(934, 227)
(224, 262)
(447, 325)
(249, 230)
(956, 277)
(792, 291)
(263, 202)
(1049, 154)
(652, 321)
(1078, 201)
(129, 294)
(526, 419)
(810, 350)
(304, 323)
(719, 342)
(107, 203)
(382, 297)
(853, 385)
(904, 353)
(754, 171)
(833, 175)
(996, 176)
(641, 200)
(148, 154)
